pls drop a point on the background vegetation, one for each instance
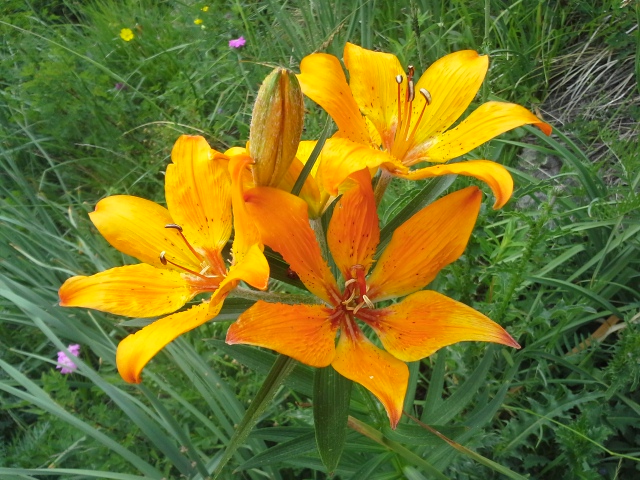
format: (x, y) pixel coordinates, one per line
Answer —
(84, 114)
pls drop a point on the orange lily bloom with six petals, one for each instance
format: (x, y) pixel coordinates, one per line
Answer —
(385, 120)
(412, 329)
(182, 250)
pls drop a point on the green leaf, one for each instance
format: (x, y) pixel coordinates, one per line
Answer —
(282, 452)
(331, 395)
(279, 371)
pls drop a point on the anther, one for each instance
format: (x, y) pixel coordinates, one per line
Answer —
(410, 72)
(351, 297)
(349, 282)
(366, 300)
(427, 96)
(164, 260)
(177, 227)
(411, 94)
(399, 79)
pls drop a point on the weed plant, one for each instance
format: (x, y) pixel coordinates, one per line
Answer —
(85, 114)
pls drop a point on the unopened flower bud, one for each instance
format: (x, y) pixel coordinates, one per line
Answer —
(276, 126)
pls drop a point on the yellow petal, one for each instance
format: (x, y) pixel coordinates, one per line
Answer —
(323, 81)
(493, 174)
(302, 332)
(453, 82)
(372, 78)
(197, 188)
(486, 122)
(283, 223)
(353, 233)
(379, 372)
(309, 193)
(134, 290)
(136, 226)
(246, 234)
(423, 245)
(253, 269)
(342, 157)
(135, 351)
(426, 321)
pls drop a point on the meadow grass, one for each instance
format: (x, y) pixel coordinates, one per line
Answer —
(85, 114)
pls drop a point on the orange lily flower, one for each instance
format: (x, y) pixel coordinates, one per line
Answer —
(384, 120)
(414, 328)
(181, 247)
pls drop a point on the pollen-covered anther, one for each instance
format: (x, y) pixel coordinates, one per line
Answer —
(366, 300)
(351, 297)
(427, 96)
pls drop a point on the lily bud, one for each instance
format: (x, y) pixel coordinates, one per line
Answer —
(276, 127)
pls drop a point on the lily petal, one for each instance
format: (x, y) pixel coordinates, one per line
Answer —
(376, 370)
(486, 122)
(135, 351)
(372, 78)
(246, 233)
(309, 193)
(353, 233)
(493, 174)
(426, 321)
(283, 222)
(425, 244)
(323, 81)
(341, 158)
(253, 269)
(133, 290)
(453, 82)
(302, 332)
(197, 189)
(136, 226)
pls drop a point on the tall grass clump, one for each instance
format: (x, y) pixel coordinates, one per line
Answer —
(85, 114)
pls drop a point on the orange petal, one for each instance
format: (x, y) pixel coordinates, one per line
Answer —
(197, 188)
(309, 193)
(342, 157)
(134, 290)
(423, 245)
(493, 174)
(323, 81)
(426, 321)
(302, 332)
(135, 351)
(253, 269)
(246, 234)
(453, 82)
(136, 226)
(486, 122)
(283, 223)
(379, 372)
(354, 233)
(372, 78)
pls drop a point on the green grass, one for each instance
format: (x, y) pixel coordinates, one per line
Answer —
(558, 260)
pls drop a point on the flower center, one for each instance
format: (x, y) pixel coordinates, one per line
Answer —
(355, 296)
(404, 133)
(212, 267)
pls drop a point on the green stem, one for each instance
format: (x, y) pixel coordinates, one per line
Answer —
(280, 370)
(273, 297)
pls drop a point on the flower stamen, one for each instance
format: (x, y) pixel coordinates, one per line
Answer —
(177, 227)
(164, 260)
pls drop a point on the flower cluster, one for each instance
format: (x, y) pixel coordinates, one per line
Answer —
(388, 125)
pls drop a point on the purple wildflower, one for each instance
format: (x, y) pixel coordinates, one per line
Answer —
(65, 364)
(120, 86)
(237, 42)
